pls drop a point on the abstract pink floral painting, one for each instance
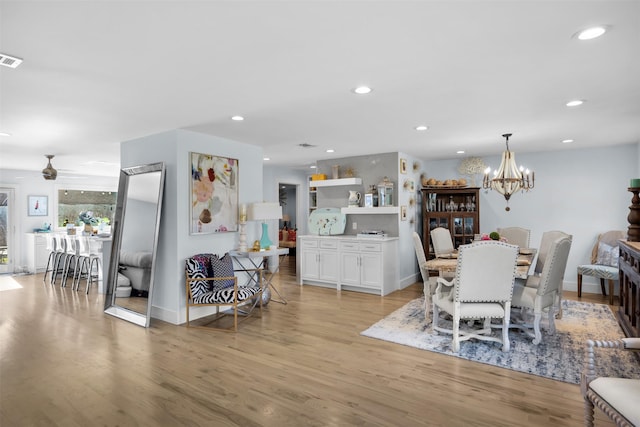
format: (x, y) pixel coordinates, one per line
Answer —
(214, 194)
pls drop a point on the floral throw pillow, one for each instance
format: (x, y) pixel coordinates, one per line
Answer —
(608, 255)
(222, 267)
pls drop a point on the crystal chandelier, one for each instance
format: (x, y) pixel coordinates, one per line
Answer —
(508, 178)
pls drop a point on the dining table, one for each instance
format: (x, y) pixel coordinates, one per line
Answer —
(447, 264)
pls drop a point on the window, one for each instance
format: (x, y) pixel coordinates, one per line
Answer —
(72, 202)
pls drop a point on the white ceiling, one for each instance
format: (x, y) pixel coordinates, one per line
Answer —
(98, 73)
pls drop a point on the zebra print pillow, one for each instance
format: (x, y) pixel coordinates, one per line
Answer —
(197, 267)
(222, 267)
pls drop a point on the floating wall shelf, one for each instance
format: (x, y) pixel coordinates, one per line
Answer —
(394, 210)
(335, 182)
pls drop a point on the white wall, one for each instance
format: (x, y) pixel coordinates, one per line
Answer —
(580, 192)
(175, 244)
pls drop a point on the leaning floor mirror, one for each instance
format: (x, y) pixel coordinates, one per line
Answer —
(135, 229)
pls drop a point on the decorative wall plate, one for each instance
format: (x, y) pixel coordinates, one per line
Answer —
(327, 222)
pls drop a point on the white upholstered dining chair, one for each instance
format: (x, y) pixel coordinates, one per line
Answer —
(441, 241)
(429, 286)
(616, 397)
(533, 280)
(482, 289)
(546, 296)
(515, 236)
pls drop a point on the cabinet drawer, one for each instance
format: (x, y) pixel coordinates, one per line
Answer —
(328, 244)
(371, 247)
(349, 246)
(305, 243)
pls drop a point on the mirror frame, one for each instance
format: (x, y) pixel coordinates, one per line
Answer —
(110, 306)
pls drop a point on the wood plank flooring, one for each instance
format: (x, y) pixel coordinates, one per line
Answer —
(65, 363)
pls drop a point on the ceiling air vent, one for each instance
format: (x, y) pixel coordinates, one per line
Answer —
(9, 61)
(305, 145)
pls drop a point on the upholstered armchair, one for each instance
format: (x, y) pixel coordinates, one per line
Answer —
(616, 397)
(482, 289)
(515, 236)
(545, 297)
(442, 242)
(211, 281)
(604, 262)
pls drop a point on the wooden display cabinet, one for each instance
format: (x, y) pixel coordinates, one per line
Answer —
(629, 311)
(457, 209)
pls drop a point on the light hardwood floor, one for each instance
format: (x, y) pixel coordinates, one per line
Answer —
(65, 363)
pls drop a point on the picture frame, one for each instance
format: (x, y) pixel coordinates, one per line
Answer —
(213, 194)
(403, 165)
(368, 200)
(403, 213)
(37, 205)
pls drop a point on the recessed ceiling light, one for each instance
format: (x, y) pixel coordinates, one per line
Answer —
(460, 152)
(312, 166)
(237, 118)
(591, 33)
(362, 90)
(331, 150)
(567, 141)
(422, 127)
(266, 159)
(5, 134)
(575, 103)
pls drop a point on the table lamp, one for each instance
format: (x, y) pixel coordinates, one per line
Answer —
(263, 212)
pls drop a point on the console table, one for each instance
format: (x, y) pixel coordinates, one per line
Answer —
(629, 311)
(258, 261)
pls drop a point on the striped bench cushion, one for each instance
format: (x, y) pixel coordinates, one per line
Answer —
(601, 271)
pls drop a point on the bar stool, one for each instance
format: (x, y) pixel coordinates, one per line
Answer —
(72, 258)
(90, 259)
(51, 261)
(60, 257)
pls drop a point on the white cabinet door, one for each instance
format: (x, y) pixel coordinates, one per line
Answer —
(329, 265)
(309, 265)
(371, 269)
(41, 252)
(350, 268)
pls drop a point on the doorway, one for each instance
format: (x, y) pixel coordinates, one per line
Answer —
(6, 230)
(288, 226)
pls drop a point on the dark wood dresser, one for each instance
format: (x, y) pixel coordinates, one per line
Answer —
(629, 312)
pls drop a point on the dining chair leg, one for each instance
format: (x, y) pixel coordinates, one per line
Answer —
(604, 291)
(579, 285)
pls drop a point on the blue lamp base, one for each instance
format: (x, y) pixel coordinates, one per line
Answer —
(265, 242)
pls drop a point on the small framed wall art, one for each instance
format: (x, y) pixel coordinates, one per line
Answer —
(37, 205)
(403, 213)
(403, 165)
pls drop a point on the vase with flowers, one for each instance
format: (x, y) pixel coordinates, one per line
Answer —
(89, 221)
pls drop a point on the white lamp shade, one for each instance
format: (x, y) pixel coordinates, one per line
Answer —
(264, 211)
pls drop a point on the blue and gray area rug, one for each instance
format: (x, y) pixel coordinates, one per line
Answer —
(560, 356)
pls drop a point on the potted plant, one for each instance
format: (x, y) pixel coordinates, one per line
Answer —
(89, 221)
